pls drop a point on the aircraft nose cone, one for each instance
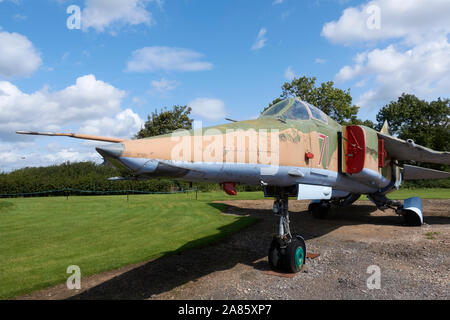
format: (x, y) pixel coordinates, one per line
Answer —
(114, 150)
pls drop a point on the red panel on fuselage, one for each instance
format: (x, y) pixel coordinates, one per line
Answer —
(356, 149)
(381, 154)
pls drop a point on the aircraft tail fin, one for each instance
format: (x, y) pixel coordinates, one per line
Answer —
(73, 135)
(385, 128)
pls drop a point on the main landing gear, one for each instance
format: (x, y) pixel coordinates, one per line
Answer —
(287, 253)
(320, 209)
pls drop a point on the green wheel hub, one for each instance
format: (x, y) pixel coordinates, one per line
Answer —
(299, 256)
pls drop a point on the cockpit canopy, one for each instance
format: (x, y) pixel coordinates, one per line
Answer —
(295, 109)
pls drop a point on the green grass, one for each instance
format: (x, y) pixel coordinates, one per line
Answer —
(222, 196)
(41, 237)
(437, 193)
(402, 194)
(431, 235)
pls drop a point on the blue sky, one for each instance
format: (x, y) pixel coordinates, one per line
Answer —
(223, 58)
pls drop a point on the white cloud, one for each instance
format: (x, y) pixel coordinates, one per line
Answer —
(29, 154)
(65, 56)
(207, 108)
(18, 57)
(69, 154)
(11, 153)
(43, 110)
(423, 70)
(286, 14)
(289, 74)
(102, 14)
(277, 2)
(139, 101)
(361, 83)
(261, 39)
(320, 61)
(159, 3)
(416, 61)
(124, 124)
(151, 59)
(413, 20)
(20, 17)
(164, 85)
(89, 106)
(13, 1)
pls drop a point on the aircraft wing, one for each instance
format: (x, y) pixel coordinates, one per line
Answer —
(73, 135)
(419, 173)
(407, 150)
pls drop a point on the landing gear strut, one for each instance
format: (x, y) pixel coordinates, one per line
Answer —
(411, 209)
(286, 253)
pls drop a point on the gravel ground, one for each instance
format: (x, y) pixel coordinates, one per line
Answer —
(414, 264)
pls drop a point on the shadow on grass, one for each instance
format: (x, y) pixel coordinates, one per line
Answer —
(207, 255)
(188, 263)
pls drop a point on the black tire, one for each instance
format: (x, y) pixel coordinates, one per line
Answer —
(349, 200)
(318, 210)
(295, 256)
(276, 255)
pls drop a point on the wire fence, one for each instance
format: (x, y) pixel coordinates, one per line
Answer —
(75, 192)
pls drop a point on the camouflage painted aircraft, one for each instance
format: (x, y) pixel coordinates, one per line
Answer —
(293, 150)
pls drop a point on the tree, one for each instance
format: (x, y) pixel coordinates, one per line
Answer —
(166, 121)
(355, 121)
(427, 123)
(337, 103)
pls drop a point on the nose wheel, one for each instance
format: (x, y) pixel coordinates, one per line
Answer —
(295, 255)
(288, 257)
(286, 253)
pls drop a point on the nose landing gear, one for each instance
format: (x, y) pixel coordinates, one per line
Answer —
(287, 253)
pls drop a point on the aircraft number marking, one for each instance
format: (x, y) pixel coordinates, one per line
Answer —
(324, 151)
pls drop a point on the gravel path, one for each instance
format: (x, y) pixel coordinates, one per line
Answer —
(412, 265)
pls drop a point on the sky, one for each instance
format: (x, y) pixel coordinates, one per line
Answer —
(101, 66)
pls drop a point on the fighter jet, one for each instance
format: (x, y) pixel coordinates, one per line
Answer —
(292, 150)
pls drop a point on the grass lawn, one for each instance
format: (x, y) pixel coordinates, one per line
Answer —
(41, 237)
(402, 194)
(437, 193)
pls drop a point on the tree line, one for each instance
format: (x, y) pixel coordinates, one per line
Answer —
(86, 176)
(89, 178)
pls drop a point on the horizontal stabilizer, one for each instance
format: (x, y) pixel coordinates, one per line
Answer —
(72, 135)
(407, 150)
(419, 173)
